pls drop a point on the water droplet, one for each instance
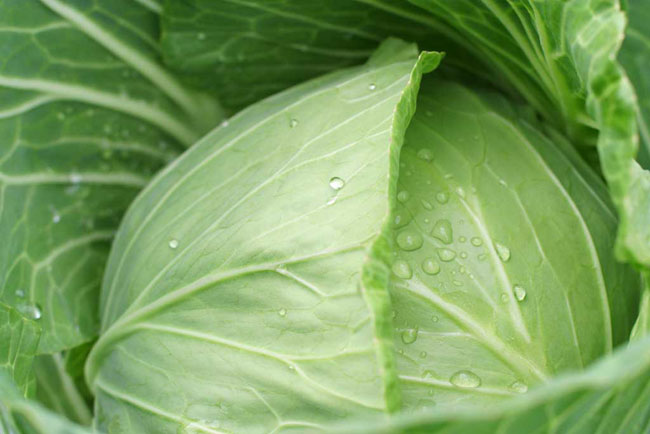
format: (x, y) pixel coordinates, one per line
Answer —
(435, 318)
(482, 256)
(428, 374)
(446, 255)
(460, 191)
(426, 204)
(457, 282)
(463, 255)
(60, 116)
(430, 266)
(225, 123)
(332, 200)
(442, 231)
(402, 269)
(20, 293)
(423, 355)
(75, 178)
(502, 251)
(409, 241)
(462, 239)
(504, 297)
(200, 36)
(503, 182)
(282, 312)
(520, 292)
(403, 196)
(32, 311)
(465, 379)
(292, 368)
(476, 241)
(293, 123)
(372, 86)
(173, 244)
(336, 183)
(402, 217)
(442, 197)
(518, 387)
(56, 217)
(425, 154)
(409, 336)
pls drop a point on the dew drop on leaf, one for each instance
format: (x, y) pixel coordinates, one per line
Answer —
(442, 197)
(427, 204)
(518, 387)
(293, 123)
(402, 269)
(282, 312)
(425, 154)
(32, 311)
(409, 336)
(465, 379)
(402, 217)
(372, 86)
(409, 241)
(423, 355)
(442, 231)
(173, 244)
(520, 292)
(403, 196)
(430, 266)
(446, 255)
(336, 183)
(502, 251)
(20, 293)
(476, 241)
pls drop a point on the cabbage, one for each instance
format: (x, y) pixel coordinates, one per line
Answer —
(367, 216)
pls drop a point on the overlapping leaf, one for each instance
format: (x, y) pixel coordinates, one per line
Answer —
(256, 294)
(487, 299)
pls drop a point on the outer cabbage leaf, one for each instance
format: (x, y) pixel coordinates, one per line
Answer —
(570, 49)
(87, 114)
(246, 290)
(246, 50)
(489, 299)
(611, 397)
(18, 342)
(635, 57)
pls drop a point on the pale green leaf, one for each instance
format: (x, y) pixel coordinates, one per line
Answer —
(488, 299)
(247, 286)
